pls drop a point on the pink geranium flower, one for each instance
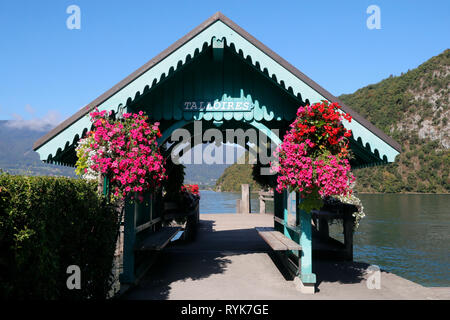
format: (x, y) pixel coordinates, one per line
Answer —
(125, 149)
(313, 158)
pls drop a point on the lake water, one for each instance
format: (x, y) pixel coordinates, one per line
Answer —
(406, 234)
(223, 202)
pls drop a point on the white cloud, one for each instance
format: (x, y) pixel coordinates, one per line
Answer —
(50, 120)
(29, 109)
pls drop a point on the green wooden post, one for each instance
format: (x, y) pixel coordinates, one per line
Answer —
(293, 199)
(286, 213)
(307, 277)
(105, 186)
(129, 240)
(278, 199)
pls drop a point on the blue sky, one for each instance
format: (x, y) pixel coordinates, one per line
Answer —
(48, 72)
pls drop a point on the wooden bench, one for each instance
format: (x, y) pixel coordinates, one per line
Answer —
(148, 249)
(279, 242)
(157, 240)
(276, 240)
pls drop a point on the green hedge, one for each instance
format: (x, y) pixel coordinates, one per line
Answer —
(47, 224)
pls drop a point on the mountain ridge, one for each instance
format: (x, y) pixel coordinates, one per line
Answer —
(412, 108)
(17, 154)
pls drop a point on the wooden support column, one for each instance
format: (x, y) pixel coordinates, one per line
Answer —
(323, 228)
(100, 182)
(262, 203)
(105, 187)
(280, 211)
(278, 202)
(286, 213)
(245, 203)
(307, 279)
(292, 205)
(348, 238)
(128, 275)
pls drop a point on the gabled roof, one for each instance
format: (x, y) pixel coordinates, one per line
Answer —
(186, 39)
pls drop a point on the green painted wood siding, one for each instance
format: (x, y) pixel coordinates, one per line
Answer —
(230, 79)
(275, 99)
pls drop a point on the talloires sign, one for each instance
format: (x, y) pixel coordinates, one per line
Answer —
(218, 106)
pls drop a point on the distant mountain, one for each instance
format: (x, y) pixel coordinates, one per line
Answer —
(207, 174)
(204, 174)
(17, 155)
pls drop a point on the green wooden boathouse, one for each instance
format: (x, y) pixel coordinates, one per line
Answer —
(217, 61)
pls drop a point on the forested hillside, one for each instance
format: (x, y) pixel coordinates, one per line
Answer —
(234, 176)
(205, 175)
(412, 108)
(237, 174)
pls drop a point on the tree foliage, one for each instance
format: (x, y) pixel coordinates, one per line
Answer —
(423, 165)
(48, 224)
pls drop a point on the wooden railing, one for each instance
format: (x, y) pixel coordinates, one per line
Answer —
(139, 221)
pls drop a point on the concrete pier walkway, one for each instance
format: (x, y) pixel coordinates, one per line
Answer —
(228, 260)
